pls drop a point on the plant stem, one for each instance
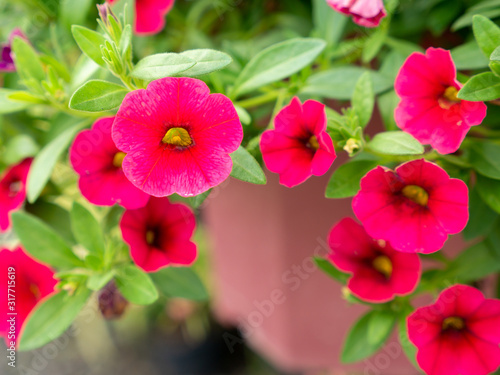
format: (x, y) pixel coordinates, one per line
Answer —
(259, 100)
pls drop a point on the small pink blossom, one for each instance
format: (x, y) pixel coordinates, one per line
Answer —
(159, 234)
(177, 137)
(299, 146)
(414, 207)
(367, 13)
(150, 15)
(13, 191)
(96, 159)
(457, 335)
(33, 281)
(6, 60)
(429, 108)
(378, 271)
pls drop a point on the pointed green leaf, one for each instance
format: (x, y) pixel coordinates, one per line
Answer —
(359, 344)
(135, 285)
(42, 242)
(246, 168)
(363, 99)
(162, 65)
(206, 61)
(98, 96)
(51, 318)
(487, 34)
(45, 161)
(277, 62)
(396, 143)
(180, 282)
(344, 182)
(87, 230)
(327, 267)
(89, 42)
(481, 87)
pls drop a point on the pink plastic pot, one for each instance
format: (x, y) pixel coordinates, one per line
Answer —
(266, 283)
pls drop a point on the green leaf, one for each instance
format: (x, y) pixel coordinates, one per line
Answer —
(42, 242)
(489, 191)
(484, 159)
(329, 24)
(7, 105)
(28, 64)
(339, 83)
(467, 18)
(45, 161)
(89, 42)
(98, 281)
(97, 96)
(198, 200)
(74, 12)
(135, 285)
(481, 217)
(162, 65)
(387, 102)
(54, 216)
(18, 148)
(380, 327)
(51, 318)
(358, 345)
(396, 143)
(112, 218)
(373, 44)
(363, 99)
(344, 182)
(327, 267)
(474, 263)
(481, 87)
(277, 62)
(180, 282)
(495, 55)
(87, 230)
(487, 34)
(246, 168)
(468, 56)
(206, 61)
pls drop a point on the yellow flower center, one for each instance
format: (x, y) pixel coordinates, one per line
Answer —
(453, 322)
(118, 159)
(313, 143)
(416, 194)
(14, 188)
(383, 264)
(449, 98)
(35, 290)
(150, 237)
(177, 137)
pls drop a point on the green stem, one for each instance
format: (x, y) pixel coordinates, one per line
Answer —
(259, 100)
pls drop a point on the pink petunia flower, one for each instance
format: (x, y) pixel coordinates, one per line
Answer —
(429, 108)
(6, 60)
(150, 15)
(31, 282)
(299, 146)
(457, 335)
(378, 271)
(367, 13)
(13, 191)
(414, 207)
(96, 159)
(159, 234)
(177, 137)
